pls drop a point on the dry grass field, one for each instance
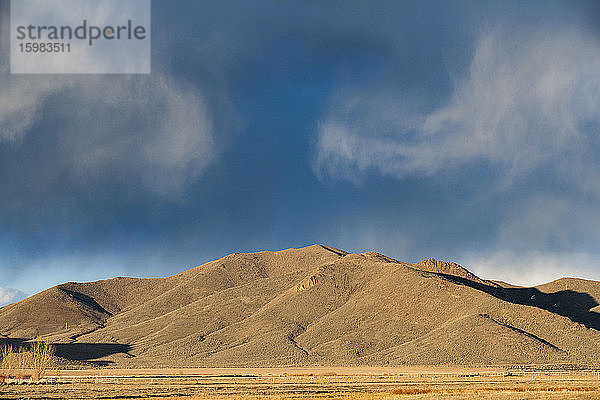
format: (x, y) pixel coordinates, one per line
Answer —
(308, 383)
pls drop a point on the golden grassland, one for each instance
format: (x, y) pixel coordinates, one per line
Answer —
(308, 383)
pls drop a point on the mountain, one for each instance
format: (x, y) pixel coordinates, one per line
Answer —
(313, 306)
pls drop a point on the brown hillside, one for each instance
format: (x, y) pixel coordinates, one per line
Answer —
(314, 306)
(448, 268)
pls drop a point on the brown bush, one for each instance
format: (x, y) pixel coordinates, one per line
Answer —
(26, 362)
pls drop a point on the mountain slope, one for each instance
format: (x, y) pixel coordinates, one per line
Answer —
(316, 306)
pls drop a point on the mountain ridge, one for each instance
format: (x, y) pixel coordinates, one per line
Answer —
(316, 305)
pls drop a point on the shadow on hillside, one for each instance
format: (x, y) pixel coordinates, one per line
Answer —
(568, 303)
(86, 300)
(90, 351)
(75, 351)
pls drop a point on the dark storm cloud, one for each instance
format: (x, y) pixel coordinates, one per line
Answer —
(422, 120)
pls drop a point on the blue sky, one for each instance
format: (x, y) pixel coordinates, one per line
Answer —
(460, 130)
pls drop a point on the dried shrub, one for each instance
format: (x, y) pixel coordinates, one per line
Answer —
(41, 358)
(26, 362)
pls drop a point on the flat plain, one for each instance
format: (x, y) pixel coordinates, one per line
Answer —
(309, 383)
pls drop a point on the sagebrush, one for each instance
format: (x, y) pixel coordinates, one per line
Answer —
(30, 360)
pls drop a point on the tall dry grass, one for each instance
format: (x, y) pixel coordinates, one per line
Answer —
(30, 361)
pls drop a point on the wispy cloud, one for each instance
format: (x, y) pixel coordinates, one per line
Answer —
(526, 108)
(153, 133)
(8, 296)
(527, 101)
(148, 132)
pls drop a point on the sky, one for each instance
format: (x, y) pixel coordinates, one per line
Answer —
(466, 131)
